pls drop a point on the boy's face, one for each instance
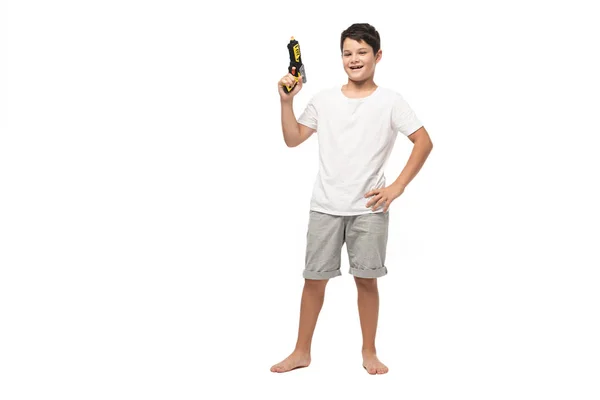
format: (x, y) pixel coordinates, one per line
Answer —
(359, 60)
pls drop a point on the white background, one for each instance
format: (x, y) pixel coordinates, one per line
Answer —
(153, 222)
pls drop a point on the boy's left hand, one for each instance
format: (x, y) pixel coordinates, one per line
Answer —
(387, 195)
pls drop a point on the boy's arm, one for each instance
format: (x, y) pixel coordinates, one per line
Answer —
(294, 133)
(385, 196)
(421, 149)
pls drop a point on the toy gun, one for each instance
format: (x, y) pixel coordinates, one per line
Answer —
(296, 67)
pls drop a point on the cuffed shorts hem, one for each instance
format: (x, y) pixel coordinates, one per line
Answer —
(368, 273)
(321, 275)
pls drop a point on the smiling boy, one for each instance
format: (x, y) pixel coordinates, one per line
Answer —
(357, 125)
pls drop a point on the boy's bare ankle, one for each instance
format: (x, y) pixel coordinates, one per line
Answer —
(369, 350)
(301, 350)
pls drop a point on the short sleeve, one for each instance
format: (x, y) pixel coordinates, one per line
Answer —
(404, 119)
(309, 116)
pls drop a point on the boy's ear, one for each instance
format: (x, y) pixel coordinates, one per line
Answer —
(378, 56)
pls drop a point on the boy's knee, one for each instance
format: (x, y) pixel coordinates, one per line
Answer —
(315, 284)
(369, 284)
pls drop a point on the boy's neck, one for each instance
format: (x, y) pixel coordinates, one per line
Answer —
(359, 89)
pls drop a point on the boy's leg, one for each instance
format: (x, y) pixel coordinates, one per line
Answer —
(368, 310)
(325, 238)
(366, 237)
(313, 296)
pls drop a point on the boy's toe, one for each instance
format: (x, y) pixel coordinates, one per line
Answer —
(371, 370)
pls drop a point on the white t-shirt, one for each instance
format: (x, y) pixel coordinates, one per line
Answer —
(356, 137)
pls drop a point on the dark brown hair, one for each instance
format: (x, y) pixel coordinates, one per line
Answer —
(362, 32)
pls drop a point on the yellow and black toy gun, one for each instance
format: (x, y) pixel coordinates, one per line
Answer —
(296, 67)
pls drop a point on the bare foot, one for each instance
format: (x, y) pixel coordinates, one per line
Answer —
(372, 364)
(295, 360)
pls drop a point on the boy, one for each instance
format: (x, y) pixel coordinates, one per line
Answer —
(357, 125)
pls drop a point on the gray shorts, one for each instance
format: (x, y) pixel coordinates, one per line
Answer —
(366, 241)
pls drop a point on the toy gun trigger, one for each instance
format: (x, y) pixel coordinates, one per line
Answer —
(297, 75)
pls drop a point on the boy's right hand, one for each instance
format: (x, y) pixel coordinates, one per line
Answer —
(289, 79)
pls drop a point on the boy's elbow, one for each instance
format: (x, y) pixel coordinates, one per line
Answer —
(292, 140)
(290, 143)
(425, 143)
